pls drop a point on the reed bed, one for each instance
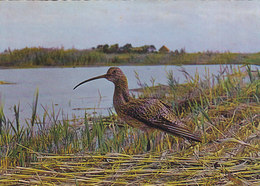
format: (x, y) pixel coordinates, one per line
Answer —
(122, 169)
(224, 110)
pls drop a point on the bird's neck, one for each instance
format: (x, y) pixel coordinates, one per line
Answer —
(121, 94)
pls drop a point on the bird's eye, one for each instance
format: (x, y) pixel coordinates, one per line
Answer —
(114, 72)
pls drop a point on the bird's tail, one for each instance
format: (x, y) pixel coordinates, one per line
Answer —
(180, 131)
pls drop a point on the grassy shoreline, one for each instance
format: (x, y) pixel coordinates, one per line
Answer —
(55, 57)
(103, 150)
(5, 83)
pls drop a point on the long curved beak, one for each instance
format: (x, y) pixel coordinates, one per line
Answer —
(98, 77)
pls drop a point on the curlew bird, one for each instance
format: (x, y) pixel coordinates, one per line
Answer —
(143, 113)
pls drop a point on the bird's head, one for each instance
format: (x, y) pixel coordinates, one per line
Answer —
(114, 74)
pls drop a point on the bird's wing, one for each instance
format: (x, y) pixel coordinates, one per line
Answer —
(155, 114)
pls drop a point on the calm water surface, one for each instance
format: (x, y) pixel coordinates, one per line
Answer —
(56, 87)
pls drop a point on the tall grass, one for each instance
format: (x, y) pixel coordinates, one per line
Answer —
(103, 150)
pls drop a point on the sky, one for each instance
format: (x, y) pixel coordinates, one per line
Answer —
(194, 25)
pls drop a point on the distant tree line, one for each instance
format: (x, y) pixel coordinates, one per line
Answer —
(116, 55)
(127, 48)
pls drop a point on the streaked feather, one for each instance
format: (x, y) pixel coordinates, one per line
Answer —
(154, 113)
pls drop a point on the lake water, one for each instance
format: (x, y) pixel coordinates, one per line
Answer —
(56, 87)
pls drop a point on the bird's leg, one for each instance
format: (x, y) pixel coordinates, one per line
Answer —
(148, 148)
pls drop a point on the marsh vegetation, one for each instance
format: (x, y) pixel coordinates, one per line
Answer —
(104, 55)
(224, 110)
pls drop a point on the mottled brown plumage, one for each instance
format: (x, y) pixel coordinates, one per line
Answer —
(146, 114)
